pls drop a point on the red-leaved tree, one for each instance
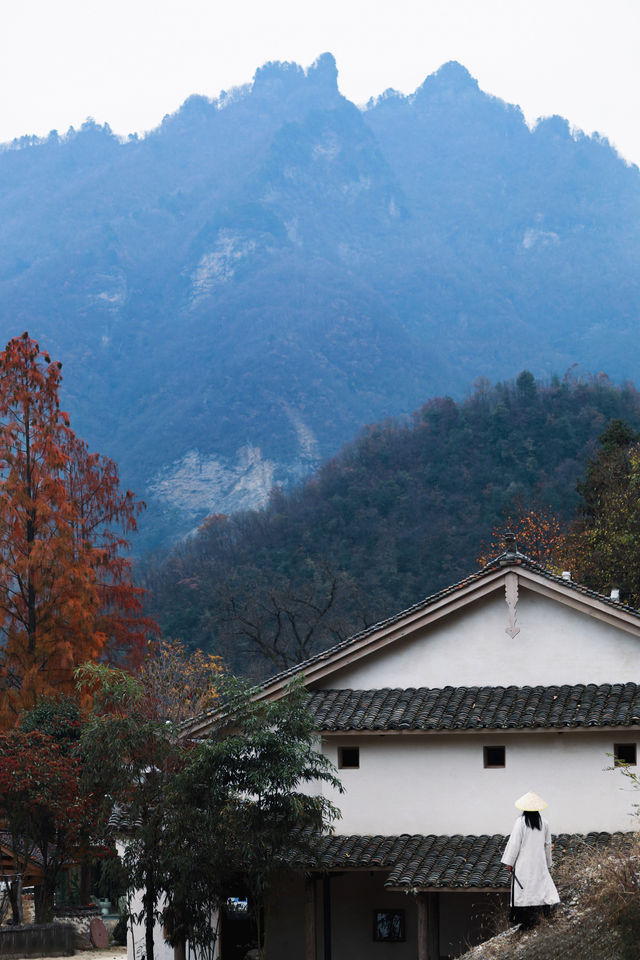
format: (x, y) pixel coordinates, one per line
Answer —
(43, 809)
(66, 592)
(539, 534)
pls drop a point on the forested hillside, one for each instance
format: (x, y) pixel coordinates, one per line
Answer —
(396, 515)
(236, 293)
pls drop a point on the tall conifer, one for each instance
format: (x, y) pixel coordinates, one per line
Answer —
(66, 594)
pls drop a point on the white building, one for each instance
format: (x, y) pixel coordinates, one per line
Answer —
(438, 719)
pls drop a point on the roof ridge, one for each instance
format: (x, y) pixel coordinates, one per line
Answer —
(478, 687)
(505, 559)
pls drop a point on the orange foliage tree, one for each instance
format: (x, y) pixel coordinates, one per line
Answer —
(539, 534)
(178, 684)
(66, 594)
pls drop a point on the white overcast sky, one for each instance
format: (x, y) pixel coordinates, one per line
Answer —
(129, 62)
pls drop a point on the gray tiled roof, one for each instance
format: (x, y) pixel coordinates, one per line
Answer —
(427, 862)
(504, 560)
(120, 823)
(477, 708)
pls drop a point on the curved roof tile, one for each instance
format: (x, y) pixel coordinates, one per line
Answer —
(477, 708)
(428, 861)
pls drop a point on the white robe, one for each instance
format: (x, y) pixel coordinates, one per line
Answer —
(529, 853)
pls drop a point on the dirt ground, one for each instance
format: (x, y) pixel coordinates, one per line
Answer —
(111, 953)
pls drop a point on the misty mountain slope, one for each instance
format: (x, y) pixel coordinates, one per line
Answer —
(398, 513)
(541, 221)
(236, 293)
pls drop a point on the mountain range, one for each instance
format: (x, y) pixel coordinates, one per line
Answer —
(236, 293)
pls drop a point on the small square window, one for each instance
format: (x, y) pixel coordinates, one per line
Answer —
(494, 756)
(624, 753)
(348, 758)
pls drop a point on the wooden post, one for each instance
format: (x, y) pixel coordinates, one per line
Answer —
(433, 926)
(423, 927)
(326, 907)
(428, 926)
(310, 919)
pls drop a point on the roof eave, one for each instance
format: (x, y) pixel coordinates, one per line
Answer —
(417, 889)
(389, 731)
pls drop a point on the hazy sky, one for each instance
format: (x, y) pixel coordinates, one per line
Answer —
(128, 62)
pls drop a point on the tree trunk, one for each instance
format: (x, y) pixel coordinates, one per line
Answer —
(256, 906)
(14, 888)
(85, 882)
(149, 902)
(43, 900)
(30, 536)
(148, 935)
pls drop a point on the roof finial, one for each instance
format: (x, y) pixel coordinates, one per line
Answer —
(510, 545)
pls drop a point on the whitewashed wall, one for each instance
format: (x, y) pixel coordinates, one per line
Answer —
(135, 937)
(162, 950)
(556, 645)
(437, 783)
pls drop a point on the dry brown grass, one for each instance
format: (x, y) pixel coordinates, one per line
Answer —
(598, 919)
(563, 938)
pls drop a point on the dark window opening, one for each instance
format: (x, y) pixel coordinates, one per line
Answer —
(348, 758)
(494, 756)
(624, 753)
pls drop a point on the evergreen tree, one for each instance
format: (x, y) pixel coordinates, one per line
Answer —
(605, 540)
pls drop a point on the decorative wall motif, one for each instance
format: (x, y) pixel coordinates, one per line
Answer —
(511, 596)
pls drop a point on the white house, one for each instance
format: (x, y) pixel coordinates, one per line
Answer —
(438, 719)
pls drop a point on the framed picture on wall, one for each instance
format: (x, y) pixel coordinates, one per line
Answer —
(389, 926)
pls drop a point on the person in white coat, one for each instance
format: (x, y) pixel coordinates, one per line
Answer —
(528, 858)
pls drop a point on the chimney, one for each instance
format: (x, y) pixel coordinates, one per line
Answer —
(566, 574)
(615, 594)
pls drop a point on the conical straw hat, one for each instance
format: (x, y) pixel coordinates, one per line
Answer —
(531, 801)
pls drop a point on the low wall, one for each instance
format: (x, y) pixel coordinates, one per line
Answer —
(37, 940)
